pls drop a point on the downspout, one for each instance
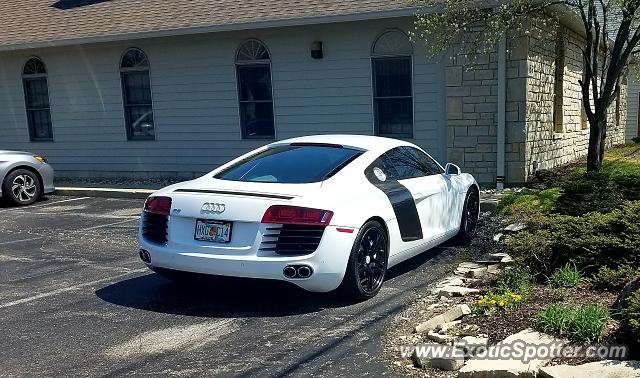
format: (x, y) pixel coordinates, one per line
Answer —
(502, 106)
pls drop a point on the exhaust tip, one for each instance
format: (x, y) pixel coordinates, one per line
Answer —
(304, 272)
(289, 272)
(145, 256)
(297, 271)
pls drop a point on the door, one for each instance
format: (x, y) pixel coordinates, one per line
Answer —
(414, 173)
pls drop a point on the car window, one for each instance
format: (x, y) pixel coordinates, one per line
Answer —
(291, 164)
(429, 166)
(405, 162)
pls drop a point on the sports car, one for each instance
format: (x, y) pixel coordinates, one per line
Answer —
(330, 212)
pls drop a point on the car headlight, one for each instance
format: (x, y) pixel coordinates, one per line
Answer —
(40, 159)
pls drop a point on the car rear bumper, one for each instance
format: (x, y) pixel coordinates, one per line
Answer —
(328, 262)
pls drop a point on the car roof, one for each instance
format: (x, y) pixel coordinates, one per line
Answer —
(364, 142)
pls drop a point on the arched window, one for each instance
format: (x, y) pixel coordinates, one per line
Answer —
(136, 95)
(36, 98)
(253, 68)
(391, 62)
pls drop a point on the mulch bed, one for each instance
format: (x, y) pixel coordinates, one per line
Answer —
(503, 324)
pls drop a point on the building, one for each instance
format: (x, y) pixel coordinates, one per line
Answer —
(132, 88)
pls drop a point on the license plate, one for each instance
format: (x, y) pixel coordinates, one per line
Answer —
(213, 231)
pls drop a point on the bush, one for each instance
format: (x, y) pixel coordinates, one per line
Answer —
(492, 302)
(567, 276)
(516, 279)
(585, 192)
(632, 313)
(588, 242)
(582, 324)
(613, 279)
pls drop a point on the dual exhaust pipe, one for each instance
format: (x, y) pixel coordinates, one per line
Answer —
(297, 271)
(145, 256)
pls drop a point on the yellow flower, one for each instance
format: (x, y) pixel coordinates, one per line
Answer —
(502, 303)
(492, 302)
(481, 301)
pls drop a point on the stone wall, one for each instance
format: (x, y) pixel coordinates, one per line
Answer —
(472, 106)
(548, 146)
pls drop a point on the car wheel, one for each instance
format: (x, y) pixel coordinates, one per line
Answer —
(470, 214)
(22, 187)
(367, 266)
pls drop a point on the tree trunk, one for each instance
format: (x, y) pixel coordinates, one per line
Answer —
(596, 143)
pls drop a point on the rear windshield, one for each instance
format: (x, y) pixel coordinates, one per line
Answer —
(291, 164)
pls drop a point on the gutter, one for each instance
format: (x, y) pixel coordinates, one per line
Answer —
(502, 105)
(301, 21)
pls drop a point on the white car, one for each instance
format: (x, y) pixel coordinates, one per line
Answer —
(323, 212)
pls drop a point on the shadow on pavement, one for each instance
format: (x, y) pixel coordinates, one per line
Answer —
(209, 296)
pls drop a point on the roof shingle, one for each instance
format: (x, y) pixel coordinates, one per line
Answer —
(28, 23)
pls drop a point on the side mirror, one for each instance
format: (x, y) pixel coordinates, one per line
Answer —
(451, 169)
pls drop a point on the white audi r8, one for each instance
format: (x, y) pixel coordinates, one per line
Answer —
(323, 212)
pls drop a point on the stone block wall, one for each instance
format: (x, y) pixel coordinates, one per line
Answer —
(472, 107)
(546, 145)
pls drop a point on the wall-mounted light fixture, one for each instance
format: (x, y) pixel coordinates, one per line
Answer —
(316, 50)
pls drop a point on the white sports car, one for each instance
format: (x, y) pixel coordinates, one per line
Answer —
(323, 212)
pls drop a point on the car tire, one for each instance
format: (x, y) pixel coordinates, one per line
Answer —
(470, 215)
(21, 187)
(367, 265)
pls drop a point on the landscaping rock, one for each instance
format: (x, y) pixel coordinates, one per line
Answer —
(440, 338)
(497, 237)
(452, 314)
(473, 342)
(624, 295)
(515, 227)
(448, 364)
(489, 205)
(457, 291)
(444, 327)
(501, 257)
(479, 367)
(477, 273)
(599, 369)
(494, 269)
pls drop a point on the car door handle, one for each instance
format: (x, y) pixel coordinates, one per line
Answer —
(420, 197)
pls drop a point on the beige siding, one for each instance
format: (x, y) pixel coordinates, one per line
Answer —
(195, 99)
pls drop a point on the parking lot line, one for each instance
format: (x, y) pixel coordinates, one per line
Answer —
(111, 224)
(22, 240)
(68, 289)
(38, 206)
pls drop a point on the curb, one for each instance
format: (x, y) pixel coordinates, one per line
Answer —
(104, 192)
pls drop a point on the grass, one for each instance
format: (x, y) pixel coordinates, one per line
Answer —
(565, 277)
(516, 279)
(582, 324)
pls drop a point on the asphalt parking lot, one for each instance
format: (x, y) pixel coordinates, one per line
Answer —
(76, 301)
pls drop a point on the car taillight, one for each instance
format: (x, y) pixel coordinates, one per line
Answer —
(281, 214)
(158, 205)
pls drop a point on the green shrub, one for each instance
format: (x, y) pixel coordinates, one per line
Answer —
(583, 324)
(516, 279)
(567, 276)
(585, 192)
(588, 242)
(613, 279)
(632, 313)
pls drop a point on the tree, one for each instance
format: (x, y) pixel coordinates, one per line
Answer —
(611, 37)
